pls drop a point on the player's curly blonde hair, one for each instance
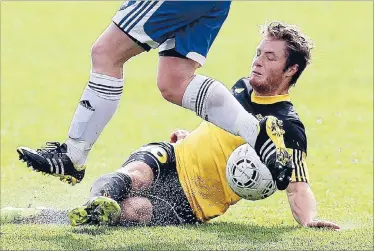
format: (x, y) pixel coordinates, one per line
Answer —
(298, 45)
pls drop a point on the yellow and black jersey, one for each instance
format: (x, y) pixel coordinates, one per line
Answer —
(202, 156)
(281, 107)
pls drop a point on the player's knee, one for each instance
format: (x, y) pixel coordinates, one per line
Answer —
(174, 75)
(137, 209)
(166, 91)
(172, 86)
(100, 54)
(140, 173)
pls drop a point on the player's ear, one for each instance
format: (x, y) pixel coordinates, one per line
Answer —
(291, 70)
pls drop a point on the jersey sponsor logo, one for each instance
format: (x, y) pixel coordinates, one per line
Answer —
(239, 90)
(160, 154)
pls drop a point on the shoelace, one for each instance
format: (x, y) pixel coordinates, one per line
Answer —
(50, 147)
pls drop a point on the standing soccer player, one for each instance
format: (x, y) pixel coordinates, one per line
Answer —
(184, 32)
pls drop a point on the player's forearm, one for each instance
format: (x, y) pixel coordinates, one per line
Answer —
(303, 203)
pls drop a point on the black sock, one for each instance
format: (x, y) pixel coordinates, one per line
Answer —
(113, 185)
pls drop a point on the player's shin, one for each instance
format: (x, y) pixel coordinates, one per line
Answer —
(116, 186)
(103, 205)
(98, 103)
(212, 101)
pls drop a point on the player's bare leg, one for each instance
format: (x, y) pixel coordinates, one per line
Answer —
(136, 210)
(96, 107)
(103, 206)
(174, 75)
(111, 50)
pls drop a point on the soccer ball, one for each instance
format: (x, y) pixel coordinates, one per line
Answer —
(247, 176)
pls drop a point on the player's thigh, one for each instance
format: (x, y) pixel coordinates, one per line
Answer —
(145, 164)
(152, 211)
(114, 46)
(186, 50)
(149, 210)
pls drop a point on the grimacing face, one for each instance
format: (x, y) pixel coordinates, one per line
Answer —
(267, 68)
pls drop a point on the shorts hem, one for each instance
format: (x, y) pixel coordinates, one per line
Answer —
(145, 46)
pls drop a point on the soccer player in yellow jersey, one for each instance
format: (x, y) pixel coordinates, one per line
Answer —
(184, 181)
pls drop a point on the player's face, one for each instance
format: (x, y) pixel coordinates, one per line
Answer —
(267, 69)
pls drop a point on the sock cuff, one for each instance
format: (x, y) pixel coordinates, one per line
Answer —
(114, 185)
(105, 78)
(125, 177)
(196, 92)
(126, 185)
(105, 86)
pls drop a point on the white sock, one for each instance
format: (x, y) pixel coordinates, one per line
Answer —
(98, 103)
(212, 101)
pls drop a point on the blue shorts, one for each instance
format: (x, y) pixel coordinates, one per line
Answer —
(188, 27)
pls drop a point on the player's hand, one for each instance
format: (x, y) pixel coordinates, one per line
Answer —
(177, 135)
(316, 223)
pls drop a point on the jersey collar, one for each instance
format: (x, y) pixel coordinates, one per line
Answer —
(266, 100)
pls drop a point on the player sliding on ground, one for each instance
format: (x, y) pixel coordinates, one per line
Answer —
(184, 181)
(184, 32)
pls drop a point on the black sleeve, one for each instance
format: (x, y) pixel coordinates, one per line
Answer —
(296, 142)
(295, 136)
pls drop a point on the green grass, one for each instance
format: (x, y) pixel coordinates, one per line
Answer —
(45, 61)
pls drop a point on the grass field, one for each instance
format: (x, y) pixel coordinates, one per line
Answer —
(45, 61)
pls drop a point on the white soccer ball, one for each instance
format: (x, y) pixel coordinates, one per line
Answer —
(247, 176)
